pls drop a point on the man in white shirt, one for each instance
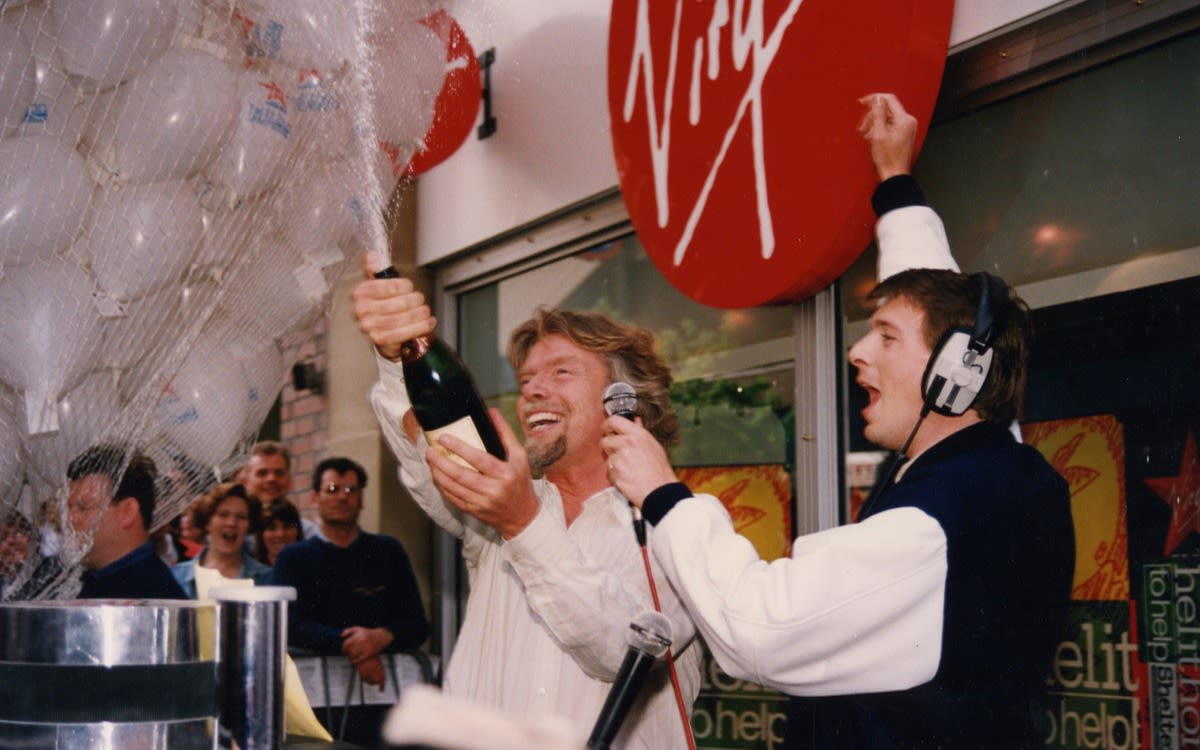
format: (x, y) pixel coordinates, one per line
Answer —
(556, 573)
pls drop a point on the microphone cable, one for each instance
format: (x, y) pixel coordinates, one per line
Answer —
(639, 529)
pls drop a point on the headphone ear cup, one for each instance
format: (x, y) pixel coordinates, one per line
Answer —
(955, 374)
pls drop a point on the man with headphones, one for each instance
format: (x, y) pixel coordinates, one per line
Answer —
(932, 621)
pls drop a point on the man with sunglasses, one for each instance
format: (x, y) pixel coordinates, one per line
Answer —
(355, 591)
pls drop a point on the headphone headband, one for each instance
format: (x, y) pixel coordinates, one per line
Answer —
(987, 317)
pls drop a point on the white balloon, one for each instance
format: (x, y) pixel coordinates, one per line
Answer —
(147, 327)
(297, 298)
(323, 211)
(255, 157)
(18, 77)
(202, 409)
(141, 237)
(44, 193)
(302, 33)
(168, 122)
(227, 229)
(51, 330)
(87, 414)
(58, 108)
(105, 42)
(265, 372)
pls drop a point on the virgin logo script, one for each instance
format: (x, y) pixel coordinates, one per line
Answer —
(734, 132)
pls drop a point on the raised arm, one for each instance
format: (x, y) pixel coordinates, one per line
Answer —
(909, 233)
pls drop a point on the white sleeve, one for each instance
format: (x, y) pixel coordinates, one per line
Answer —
(912, 237)
(855, 609)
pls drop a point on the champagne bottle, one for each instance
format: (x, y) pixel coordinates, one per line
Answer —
(444, 397)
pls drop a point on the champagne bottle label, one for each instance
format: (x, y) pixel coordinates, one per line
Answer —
(464, 430)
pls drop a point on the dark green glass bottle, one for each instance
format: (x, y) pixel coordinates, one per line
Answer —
(444, 396)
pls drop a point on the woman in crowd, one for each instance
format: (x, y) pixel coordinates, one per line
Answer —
(280, 527)
(227, 515)
(191, 537)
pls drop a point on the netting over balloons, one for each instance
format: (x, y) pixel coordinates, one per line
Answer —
(182, 182)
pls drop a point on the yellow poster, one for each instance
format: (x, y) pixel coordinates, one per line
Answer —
(758, 498)
(1089, 452)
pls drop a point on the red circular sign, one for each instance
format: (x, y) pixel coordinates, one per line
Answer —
(736, 138)
(457, 105)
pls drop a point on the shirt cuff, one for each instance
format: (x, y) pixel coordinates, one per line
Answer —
(391, 380)
(899, 191)
(659, 502)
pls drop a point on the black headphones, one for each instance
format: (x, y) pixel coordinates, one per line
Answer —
(961, 360)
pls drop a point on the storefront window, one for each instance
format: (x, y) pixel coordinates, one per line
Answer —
(732, 368)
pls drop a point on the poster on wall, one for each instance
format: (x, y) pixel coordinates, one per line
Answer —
(1126, 673)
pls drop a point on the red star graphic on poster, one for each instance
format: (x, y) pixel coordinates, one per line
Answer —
(1182, 493)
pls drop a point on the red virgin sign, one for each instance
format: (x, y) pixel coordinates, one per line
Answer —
(734, 128)
(457, 104)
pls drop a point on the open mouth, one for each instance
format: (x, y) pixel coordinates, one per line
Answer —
(539, 421)
(872, 398)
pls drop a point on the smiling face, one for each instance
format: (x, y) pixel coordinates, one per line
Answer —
(891, 361)
(277, 535)
(228, 526)
(267, 477)
(561, 403)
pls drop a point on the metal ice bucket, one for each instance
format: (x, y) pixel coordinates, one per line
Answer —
(107, 674)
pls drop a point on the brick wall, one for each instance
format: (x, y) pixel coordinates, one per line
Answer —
(304, 418)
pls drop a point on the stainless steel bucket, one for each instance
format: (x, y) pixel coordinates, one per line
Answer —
(251, 652)
(108, 674)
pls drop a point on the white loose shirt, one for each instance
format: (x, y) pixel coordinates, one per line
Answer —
(548, 611)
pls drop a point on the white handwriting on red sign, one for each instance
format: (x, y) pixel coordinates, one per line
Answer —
(748, 42)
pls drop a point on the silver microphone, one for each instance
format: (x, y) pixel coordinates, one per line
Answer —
(620, 399)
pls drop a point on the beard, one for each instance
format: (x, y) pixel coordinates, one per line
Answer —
(543, 456)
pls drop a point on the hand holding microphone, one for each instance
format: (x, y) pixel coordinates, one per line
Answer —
(620, 399)
(637, 462)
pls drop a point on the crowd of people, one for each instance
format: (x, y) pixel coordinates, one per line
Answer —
(357, 594)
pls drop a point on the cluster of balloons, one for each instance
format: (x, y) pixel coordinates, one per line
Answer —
(182, 182)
